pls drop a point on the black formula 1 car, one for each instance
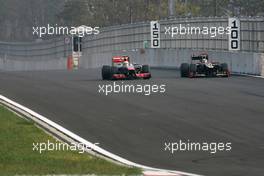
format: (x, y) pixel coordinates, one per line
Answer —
(122, 68)
(200, 66)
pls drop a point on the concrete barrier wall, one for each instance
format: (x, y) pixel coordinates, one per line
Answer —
(97, 50)
(132, 36)
(114, 40)
(44, 55)
(9, 63)
(239, 62)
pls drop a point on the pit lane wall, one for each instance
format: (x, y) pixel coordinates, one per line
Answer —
(130, 40)
(40, 55)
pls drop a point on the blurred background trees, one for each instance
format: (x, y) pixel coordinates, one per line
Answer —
(17, 17)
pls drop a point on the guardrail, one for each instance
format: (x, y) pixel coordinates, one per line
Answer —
(132, 36)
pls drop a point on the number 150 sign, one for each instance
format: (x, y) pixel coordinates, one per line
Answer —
(155, 34)
(234, 36)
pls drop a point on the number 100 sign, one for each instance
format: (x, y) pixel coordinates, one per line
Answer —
(234, 36)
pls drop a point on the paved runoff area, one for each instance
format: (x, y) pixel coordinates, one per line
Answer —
(150, 129)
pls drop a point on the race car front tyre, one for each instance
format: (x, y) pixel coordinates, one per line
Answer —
(185, 68)
(106, 72)
(145, 69)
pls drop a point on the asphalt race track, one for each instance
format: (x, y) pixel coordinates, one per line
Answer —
(136, 126)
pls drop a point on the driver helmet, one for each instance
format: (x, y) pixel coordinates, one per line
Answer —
(125, 63)
(204, 60)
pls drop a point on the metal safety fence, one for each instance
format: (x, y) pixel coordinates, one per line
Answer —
(137, 36)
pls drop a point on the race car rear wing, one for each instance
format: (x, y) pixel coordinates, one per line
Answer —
(118, 61)
(199, 57)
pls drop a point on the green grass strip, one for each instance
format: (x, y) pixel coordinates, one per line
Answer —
(17, 156)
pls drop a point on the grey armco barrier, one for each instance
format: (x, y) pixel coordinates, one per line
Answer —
(128, 40)
(41, 63)
(44, 55)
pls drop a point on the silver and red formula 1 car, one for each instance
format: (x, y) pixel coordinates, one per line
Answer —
(122, 68)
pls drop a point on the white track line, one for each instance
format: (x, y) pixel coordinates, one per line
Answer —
(95, 148)
(241, 74)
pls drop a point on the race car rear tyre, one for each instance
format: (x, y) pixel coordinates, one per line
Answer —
(185, 67)
(145, 69)
(224, 67)
(225, 70)
(106, 72)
